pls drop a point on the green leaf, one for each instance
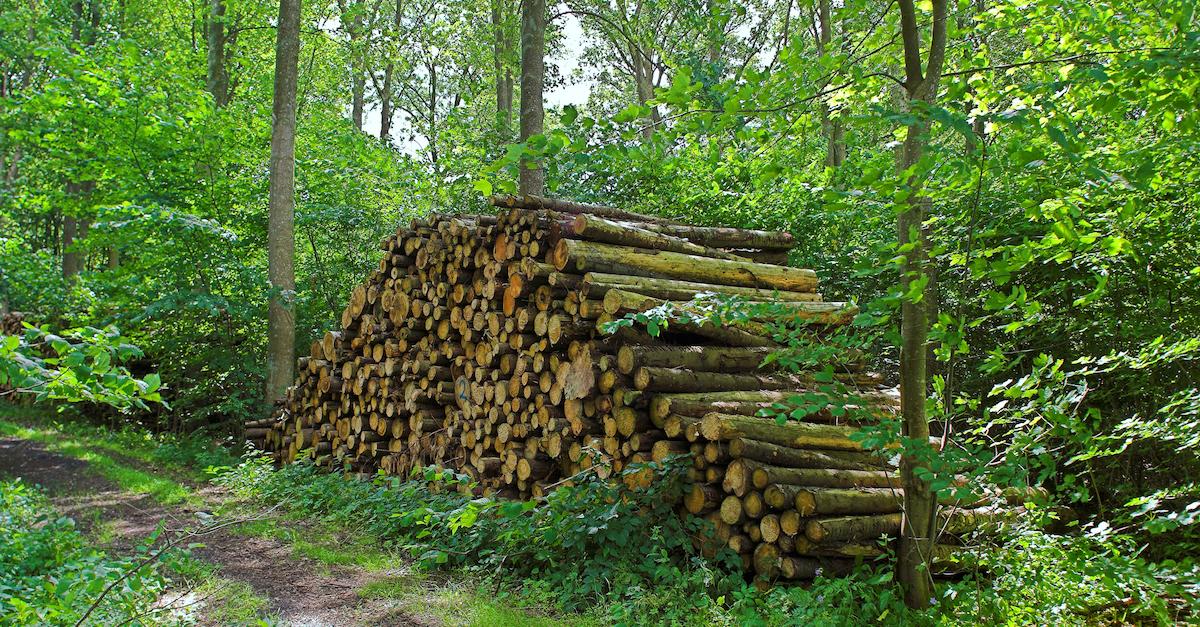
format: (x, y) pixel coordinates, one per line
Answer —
(570, 113)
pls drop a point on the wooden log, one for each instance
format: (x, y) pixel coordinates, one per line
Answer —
(799, 458)
(532, 202)
(598, 229)
(795, 434)
(705, 358)
(834, 501)
(725, 237)
(867, 528)
(671, 380)
(628, 299)
(584, 256)
(763, 475)
(597, 284)
(796, 568)
(702, 497)
(766, 560)
(749, 402)
(731, 510)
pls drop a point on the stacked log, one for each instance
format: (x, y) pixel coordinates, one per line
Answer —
(11, 323)
(479, 345)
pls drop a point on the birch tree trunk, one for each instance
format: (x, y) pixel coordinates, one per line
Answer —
(281, 323)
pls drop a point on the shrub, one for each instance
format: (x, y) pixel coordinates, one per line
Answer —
(50, 575)
(586, 544)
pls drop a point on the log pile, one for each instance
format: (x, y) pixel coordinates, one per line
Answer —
(477, 345)
(11, 323)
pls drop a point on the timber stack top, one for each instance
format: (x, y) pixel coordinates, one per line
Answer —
(477, 346)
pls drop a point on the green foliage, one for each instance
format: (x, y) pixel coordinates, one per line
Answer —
(50, 574)
(583, 544)
(78, 365)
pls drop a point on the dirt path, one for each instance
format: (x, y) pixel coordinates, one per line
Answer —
(300, 591)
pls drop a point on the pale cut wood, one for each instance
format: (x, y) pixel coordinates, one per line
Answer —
(583, 256)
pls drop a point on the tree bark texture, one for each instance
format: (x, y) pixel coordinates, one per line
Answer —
(281, 323)
(532, 177)
(217, 79)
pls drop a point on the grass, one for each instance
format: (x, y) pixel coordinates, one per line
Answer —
(413, 592)
(223, 601)
(457, 605)
(319, 541)
(164, 490)
(231, 602)
(188, 457)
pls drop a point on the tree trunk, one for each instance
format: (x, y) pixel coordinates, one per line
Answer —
(643, 81)
(835, 153)
(533, 75)
(74, 228)
(70, 258)
(217, 79)
(500, 50)
(281, 323)
(920, 506)
(385, 91)
(385, 104)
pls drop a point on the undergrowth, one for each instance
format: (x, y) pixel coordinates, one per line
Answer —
(628, 557)
(51, 575)
(189, 455)
(595, 543)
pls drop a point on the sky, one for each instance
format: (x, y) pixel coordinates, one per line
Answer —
(574, 91)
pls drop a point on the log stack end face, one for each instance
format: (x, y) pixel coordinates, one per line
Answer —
(475, 346)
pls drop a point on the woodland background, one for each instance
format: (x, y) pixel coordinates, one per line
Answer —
(1061, 174)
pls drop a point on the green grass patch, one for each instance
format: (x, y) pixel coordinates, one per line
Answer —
(323, 543)
(472, 609)
(190, 457)
(458, 605)
(231, 602)
(225, 601)
(162, 489)
(397, 587)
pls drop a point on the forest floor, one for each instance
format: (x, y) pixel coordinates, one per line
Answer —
(255, 566)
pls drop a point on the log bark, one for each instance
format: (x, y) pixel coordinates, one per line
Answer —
(671, 380)
(542, 203)
(598, 283)
(852, 528)
(708, 358)
(597, 229)
(716, 426)
(747, 402)
(835, 501)
(724, 237)
(797, 458)
(583, 256)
